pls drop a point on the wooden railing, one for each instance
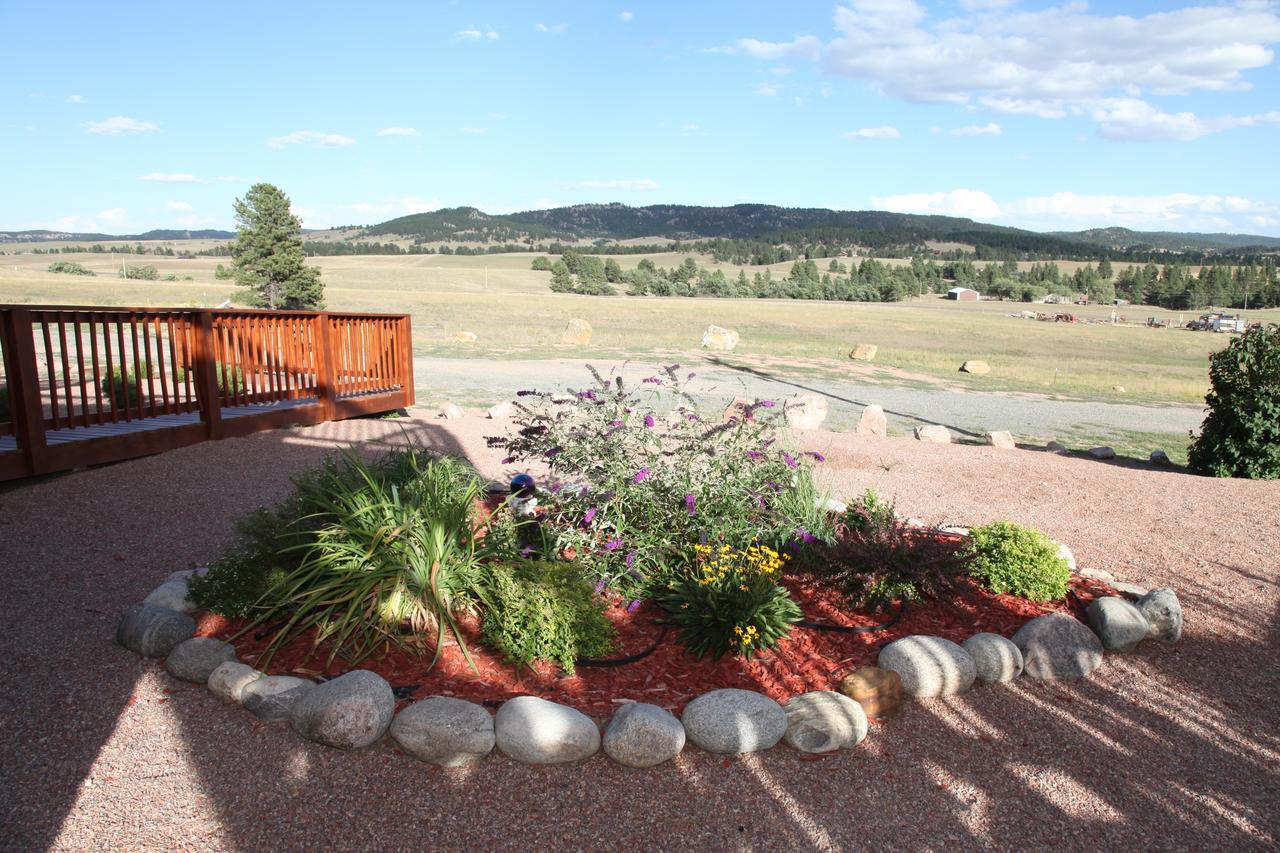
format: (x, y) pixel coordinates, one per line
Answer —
(86, 385)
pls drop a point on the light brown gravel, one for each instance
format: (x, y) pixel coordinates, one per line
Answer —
(1170, 747)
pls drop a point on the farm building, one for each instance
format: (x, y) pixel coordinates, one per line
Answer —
(962, 294)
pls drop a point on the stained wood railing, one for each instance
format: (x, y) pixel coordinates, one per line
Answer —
(86, 385)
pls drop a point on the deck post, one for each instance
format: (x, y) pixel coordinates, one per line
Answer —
(206, 374)
(406, 360)
(326, 366)
(25, 404)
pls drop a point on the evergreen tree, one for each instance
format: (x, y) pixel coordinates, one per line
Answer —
(268, 256)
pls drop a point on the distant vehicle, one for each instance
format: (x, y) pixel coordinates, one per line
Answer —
(1217, 321)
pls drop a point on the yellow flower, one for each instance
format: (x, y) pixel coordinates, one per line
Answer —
(684, 606)
(743, 587)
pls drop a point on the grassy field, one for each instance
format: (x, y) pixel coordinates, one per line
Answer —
(514, 315)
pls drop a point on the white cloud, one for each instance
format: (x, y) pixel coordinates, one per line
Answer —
(873, 133)
(800, 47)
(474, 33)
(314, 138)
(112, 217)
(626, 17)
(549, 28)
(974, 204)
(769, 90)
(1135, 120)
(497, 116)
(173, 178)
(120, 126)
(399, 131)
(630, 185)
(990, 129)
(75, 99)
(179, 205)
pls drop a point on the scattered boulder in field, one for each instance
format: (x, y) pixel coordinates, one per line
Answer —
(929, 666)
(1119, 389)
(1119, 625)
(1163, 613)
(738, 410)
(732, 721)
(349, 712)
(1058, 448)
(1058, 646)
(863, 352)
(873, 422)
(995, 658)
(450, 412)
(805, 411)
(534, 731)
(1102, 453)
(171, 595)
(464, 338)
(642, 735)
(229, 680)
(197, 658)
(933, 434)
(878, 691)
(153, 631)
(719, 339)
(824, 721)
(1001, 438)
(502, 410)
(577, 333)
(1159, 457)
(444, 731)
(977, 368)
(1131, 591)
(271, 699)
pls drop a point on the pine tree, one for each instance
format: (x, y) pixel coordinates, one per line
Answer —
(269, 261)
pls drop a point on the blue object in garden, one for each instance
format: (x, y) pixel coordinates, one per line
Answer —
(521, 485)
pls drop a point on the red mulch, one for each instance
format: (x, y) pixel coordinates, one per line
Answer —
(809, 659)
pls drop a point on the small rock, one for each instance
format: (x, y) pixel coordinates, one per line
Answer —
(719, 339)
(272, 698)
(1001, 438)
(450, 412)
(805, 411)
(229, 680)
(502, 410)
(995, 658)
(1131, 591)
(186, 574)
(1163, 613)
(173, 595)
(912, 521)
(464, 338)
(933, 434)
(444, 731)
(1119, 625)
(1064, 553)
(863, 352)
(1102, 453)
(197, 658)
(153, 631)
(1097, 575)
(953, 528)
(577, 333)
(1055, 447)
(929, 666)
(824, 721)
(739, 410)
(349, 712)
(1119, 389)
(835, 505)
(641, 735)
(1159, 457)
(1058, 646)
(732, 721)
(878, 691)
(978, 368)
(873, 422)
(534, 731)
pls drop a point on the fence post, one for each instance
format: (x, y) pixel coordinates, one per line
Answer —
(326, 366)
(406, 353)
(206, 375)
(26, 406)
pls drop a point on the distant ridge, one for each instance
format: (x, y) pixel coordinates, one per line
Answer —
(47, 236)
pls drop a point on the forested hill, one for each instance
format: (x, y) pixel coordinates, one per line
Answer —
(1170, 241)
(47, 236)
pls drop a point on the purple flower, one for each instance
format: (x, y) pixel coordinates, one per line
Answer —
(691, 505)
(615, 423)
(589, 516)
(641, 475)
(613, 544)
(634, 606)
(526, 551)
(818, 457)
(759, 500)
(649, 421)
(525, 393)
(690, 376)
(631, 559)
(765, 404)
(600, 586)
(555, 488)
(754, 454)
(652, 380)
(691, 416)
(508, 460)
(789, 459)
(554, 452)
(804, 535)
(586, 395)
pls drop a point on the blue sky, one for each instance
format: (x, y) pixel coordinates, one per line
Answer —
(1042, 115)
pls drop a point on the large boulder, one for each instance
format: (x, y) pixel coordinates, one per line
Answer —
(732, 721)
(1001, 438)
(197, 658)
(878, 691)
(272, 698)
(153, 631)
(977, 368)
(451, 412)
(1058, 646)
(349, 712)
(230, 678)
(444, 731)
(642, 735)
(577, 333)
(719, 339)
(824, 721)
(501, 410)
(995, 658)
(929, 666)
(1163, 613)
(805, 411)
(173, 595)
(863, 352)
(1159, 457)
(534, 731)
(873, 422)
(1058, 448)
(933, 434)
(1102, 453)
(1119, 625)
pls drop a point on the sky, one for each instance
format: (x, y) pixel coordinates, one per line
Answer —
(1050, 116)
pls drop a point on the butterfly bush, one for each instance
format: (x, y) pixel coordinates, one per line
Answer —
(641, 476)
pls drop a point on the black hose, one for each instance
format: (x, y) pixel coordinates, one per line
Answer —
(603, 662)
(859, 629)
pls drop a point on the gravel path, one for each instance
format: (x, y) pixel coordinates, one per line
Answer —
(1170, 747)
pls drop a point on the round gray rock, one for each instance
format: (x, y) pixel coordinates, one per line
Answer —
(444, 731)
(534, 731)
(229, 680)
(272, 698)
(153, 631)
(824, 721)
(349, 712)
(171, 594)
(197, 658)
(732, 721)
(996, 658)
(1119, 624)
(1058, 646)
(1163, 613)
(929, 666)
(641, 735)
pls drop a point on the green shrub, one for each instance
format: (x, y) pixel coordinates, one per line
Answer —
(230, 379)
(541, 264)
(120, 385)
(543, 611)
(147, 272)
(70, 268)
(1240, 436)
(222, 273)
(731, 602)
(1007, 558)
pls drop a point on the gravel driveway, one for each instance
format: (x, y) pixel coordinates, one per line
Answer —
(1169, 747)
